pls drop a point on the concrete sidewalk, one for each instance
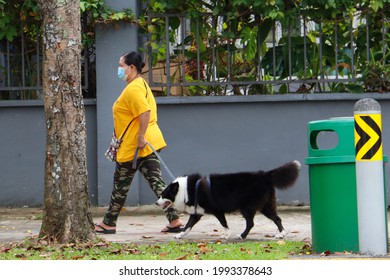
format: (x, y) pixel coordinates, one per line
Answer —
(143, 225)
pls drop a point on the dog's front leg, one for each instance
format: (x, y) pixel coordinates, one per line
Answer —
(193, 219)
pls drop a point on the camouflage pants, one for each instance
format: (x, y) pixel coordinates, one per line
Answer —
(150, 168)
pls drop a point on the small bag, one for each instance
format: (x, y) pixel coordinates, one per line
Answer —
(113, 148)
(115, 144)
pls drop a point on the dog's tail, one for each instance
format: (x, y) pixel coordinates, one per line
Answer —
(284, 176)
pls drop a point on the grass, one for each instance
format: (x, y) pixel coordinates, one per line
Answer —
(33, 249)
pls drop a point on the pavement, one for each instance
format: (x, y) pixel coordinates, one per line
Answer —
(143, 224)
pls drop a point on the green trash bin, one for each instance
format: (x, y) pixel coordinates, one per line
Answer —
(332, 179)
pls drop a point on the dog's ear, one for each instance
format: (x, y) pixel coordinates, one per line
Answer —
(174, 187)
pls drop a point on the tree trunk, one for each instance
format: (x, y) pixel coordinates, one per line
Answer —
(66, 217)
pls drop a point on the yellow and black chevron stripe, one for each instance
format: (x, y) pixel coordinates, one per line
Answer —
(368, 137)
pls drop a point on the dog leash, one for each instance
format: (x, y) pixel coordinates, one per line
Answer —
(134, 166)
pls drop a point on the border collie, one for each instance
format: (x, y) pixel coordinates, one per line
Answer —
(217, 194)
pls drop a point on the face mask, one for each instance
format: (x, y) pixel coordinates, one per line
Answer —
(121, 73)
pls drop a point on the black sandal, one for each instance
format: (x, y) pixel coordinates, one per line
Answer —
(172, 229)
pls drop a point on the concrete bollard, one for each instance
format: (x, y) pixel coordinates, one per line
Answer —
(370, 184)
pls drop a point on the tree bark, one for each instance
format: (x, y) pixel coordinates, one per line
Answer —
(66, 204)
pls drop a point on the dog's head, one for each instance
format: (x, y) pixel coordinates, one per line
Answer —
(168, 196)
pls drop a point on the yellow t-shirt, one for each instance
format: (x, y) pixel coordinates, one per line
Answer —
(135, 99)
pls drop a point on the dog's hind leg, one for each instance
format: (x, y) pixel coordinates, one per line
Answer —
(269, 211)
(222, 219)
(192, 220)
(248, 216)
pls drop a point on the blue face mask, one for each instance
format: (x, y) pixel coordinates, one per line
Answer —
(121, 73)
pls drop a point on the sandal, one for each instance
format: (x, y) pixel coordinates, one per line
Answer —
(104, 230)
(168, 229)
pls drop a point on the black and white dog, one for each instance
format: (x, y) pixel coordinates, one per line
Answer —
(217, 194)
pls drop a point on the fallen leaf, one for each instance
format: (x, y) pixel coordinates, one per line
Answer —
(134, 251)
(281, 242)
(20, 256)
(325, 253)
(182, 258)
(204, 250)
(146, 237)
(44, 255)
(116, 252)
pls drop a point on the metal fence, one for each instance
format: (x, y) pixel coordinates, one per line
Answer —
(21, 69)
(304, 56)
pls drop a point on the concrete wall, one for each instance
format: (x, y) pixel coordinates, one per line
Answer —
(204, 134)
(22, 152)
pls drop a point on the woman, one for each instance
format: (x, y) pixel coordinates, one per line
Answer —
(135, 106)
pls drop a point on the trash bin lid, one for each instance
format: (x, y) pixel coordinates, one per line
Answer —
(341, 127)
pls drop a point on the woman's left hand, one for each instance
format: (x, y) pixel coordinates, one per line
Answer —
(141, 142)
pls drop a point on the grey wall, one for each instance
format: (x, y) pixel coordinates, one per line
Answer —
(22, 152)
(204, 134)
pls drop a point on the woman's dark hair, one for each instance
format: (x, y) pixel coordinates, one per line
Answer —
(135, 59)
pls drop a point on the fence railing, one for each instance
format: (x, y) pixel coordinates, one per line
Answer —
(304, 56)
(21, 69)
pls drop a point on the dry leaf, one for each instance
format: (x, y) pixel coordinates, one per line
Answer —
(182, 258)
(146, 237)
(20, 256)
(134, 251)
(325, 253)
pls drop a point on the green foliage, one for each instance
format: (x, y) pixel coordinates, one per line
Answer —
(376, 72)
(18, 15)
(239, 30)
(23, 15)
(248, 23)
